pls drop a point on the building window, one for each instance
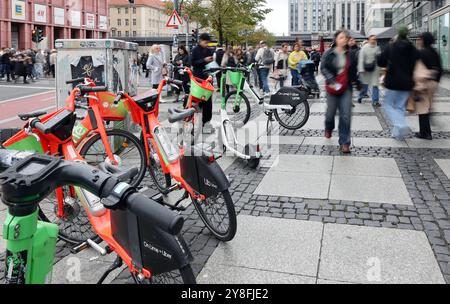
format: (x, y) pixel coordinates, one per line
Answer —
(127, 22)
(134, 21)
(387, 18)
(343, 15)
(119, 22)
(134, 33)
(134, 10)
(127, 34)
(126, 10)
(119, 10)
(113, 32)
(119, 33)
(349, 14)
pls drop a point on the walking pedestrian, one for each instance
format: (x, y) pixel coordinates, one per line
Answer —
(180, 62)
(156, 65)
(295, 57)
(265, 59)
(282, 64)
(426, 86)
(369, 71)
(5, 61)
(200, 57)
(399, 58)
(338, 65)
(52, 61)
(316, 57)
(218, 57)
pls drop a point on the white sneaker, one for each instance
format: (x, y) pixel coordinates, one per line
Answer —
(266, 95)
(208, 128)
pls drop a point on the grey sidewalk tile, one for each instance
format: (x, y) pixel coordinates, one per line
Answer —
(219, 274)
(281, 140)
(359, 108)
(428, 144)
(304, 164)
(444, 164)
(366, 166)
(438, 123)
(359, 123)
(378, 142)
(280, 245)
(377, 255)
(320, 141)
(294, 184)
(369, 189)
(440, 107)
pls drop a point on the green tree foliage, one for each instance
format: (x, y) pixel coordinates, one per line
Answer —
(225, 17)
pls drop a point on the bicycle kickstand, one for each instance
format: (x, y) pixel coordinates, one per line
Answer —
(116, 265)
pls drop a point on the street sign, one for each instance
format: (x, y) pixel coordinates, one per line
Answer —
(174, 20)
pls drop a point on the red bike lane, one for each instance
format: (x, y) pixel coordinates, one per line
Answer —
(9, 109)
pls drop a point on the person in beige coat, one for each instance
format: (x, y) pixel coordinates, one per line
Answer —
(427, 74)
(369, 72)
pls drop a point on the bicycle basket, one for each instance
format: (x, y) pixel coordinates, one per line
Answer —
(201, 89)
(235, 78)
(110, 111)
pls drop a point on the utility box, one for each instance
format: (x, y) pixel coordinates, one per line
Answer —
(109, 62)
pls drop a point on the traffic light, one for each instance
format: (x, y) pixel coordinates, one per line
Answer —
(194, 37)
(34, 36)
(40, 33)
(37, 35)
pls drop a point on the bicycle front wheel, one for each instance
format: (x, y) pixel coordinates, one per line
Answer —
(219, 215)
(294, 118)
(125, 146)
(238, 109)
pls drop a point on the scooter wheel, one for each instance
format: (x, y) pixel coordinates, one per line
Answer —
(254, 163)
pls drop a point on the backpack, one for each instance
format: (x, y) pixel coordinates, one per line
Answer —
(268, 57)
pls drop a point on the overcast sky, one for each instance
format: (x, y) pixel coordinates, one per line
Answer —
(277, 21)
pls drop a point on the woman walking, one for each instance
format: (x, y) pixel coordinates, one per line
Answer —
(338, 64)
(369, 72)
(400, 59)
(427, 87)
(282, 64)
(180, 62)
(156, 65)
(295, 57)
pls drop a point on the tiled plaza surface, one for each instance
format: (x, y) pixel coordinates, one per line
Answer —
(310, 215)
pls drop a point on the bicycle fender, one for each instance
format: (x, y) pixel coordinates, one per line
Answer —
(212, 179)
(288, 96)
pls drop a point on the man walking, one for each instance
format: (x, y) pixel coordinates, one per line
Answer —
(265, 58)
(369, 72)
(201, 56)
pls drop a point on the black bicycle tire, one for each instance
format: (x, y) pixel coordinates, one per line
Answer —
(187, 274)
(296, 127)
(246, 101)
(231, 233)
(143, 167)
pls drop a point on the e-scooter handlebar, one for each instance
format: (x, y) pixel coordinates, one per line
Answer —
(29, 178)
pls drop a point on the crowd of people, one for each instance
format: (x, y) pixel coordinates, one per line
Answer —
(27, 65)
(410, 75)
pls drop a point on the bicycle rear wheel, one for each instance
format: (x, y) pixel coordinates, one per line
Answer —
(219, 215)
(294, 118)
(181, 276)
(239, 115)
(124, 145)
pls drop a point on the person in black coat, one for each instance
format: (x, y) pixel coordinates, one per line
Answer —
(399, 58)
(201, 56)
(5, 61)
(20, 69)
(180, 62)
(339, 63)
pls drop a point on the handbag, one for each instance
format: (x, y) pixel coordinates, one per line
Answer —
(369, 67)
(411, 105)
(341, 83)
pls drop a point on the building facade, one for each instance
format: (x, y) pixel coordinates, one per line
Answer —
(313, 16)
(378, 17)
(58, 19)
(144, 18)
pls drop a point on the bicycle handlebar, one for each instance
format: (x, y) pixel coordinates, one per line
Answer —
(37, 124)
(88, 89)
(29, 178)
(77, 80)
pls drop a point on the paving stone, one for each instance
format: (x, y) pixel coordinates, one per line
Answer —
(366, 166)
(377, 255)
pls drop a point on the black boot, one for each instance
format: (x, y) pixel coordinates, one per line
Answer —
(425, 128)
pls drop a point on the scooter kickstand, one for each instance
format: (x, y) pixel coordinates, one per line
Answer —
(116, 265)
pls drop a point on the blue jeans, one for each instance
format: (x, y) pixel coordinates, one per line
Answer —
(375, 93)
(264, 76)
(295, 77)
(343, 103)
(395, 108)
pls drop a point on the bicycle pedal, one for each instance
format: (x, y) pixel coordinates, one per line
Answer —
(102, 251)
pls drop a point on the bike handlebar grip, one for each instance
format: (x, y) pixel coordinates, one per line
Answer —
(87, 89)
(155, 213)
(77, 80)
(118, 98)
(37, 124)
(175, 82)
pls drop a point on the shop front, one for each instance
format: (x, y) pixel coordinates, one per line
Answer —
(440, 27)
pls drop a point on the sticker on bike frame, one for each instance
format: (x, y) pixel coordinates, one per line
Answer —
(16, 266)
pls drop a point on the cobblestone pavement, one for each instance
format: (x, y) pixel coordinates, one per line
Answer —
(423, 169)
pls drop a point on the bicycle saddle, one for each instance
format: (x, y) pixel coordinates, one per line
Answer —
(146, 101)
(25, 117)
(176, 115)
